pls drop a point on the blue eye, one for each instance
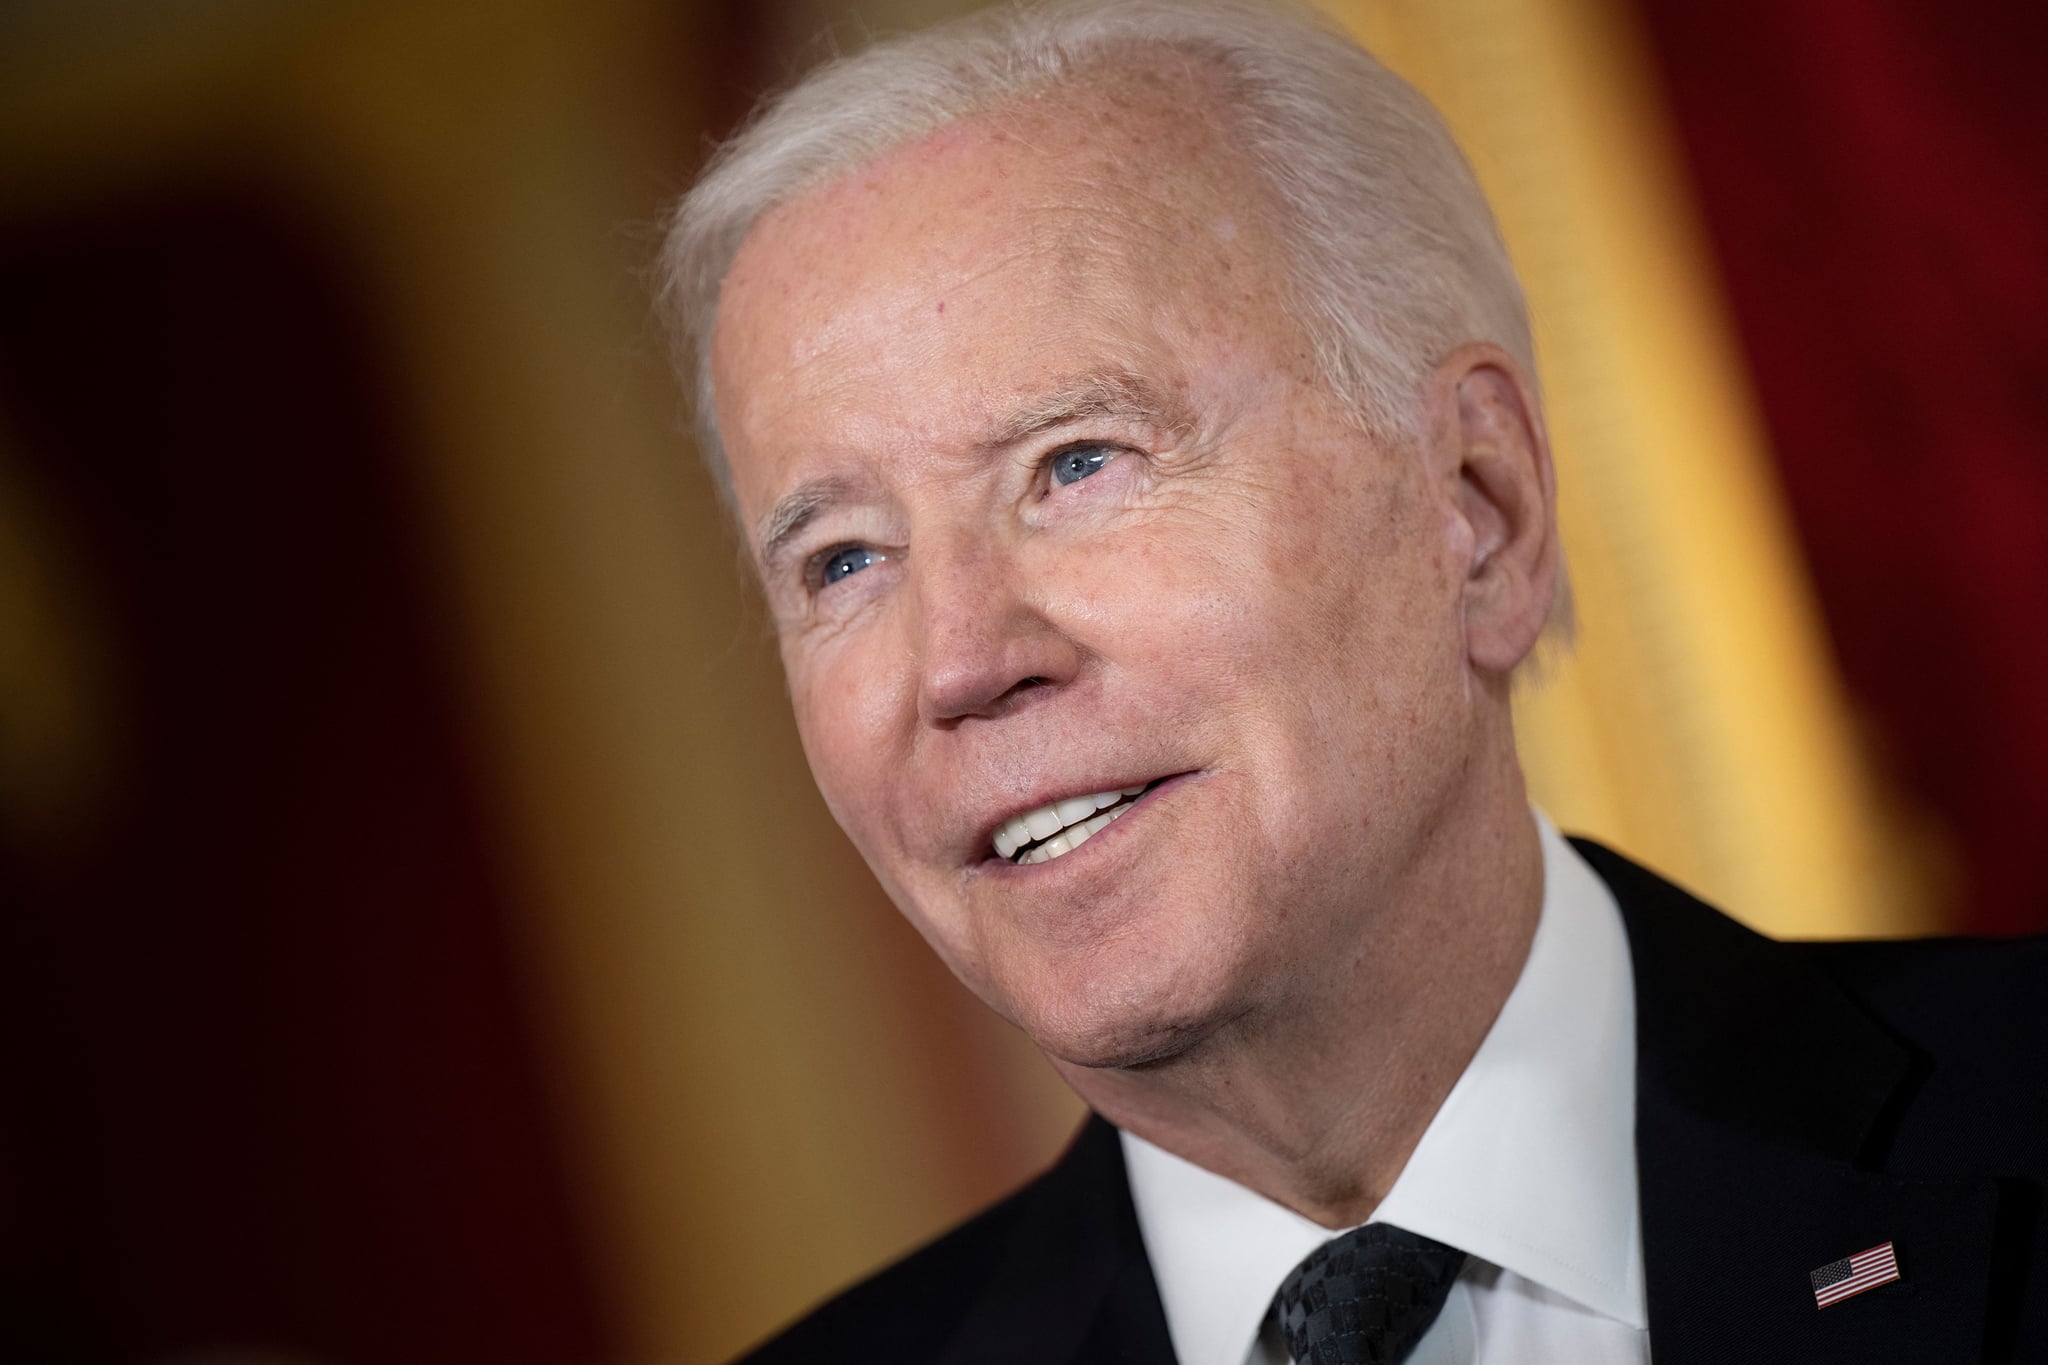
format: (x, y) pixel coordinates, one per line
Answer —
(1077, 463)
(845, 563)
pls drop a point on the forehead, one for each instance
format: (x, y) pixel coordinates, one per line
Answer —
(1149, 137)
(1116, 207)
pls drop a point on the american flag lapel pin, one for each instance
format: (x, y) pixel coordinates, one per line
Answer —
(1850, 1276)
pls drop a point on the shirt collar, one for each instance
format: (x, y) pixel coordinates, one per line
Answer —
(1529, 1164)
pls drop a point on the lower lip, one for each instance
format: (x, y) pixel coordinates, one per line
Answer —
(1004, 867)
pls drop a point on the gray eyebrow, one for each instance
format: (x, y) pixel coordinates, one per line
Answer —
(794, 511)
(1098, 393)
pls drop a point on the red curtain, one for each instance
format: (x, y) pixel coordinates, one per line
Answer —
(1872, 176)
(272, 1085)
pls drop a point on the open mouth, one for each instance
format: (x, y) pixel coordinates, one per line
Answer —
(1041, 835)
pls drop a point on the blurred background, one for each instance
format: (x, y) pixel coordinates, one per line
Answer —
(419, 938)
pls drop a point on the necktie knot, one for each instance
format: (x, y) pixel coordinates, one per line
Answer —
(1365, 1298)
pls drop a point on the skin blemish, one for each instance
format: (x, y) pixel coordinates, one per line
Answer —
(942, 305)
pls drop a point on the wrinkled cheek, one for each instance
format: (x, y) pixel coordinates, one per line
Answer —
(848, 729)
(827, 723)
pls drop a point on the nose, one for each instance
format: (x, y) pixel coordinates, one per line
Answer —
(985, 642)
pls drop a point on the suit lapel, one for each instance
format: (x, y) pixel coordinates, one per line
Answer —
(1074, 1286)
(1758, 1086)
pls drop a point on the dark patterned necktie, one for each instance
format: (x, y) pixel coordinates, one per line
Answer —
(1365, 1298)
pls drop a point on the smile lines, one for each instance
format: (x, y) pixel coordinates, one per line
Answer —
(1040, 835)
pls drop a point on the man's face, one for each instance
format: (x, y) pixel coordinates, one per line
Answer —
(1063, 511)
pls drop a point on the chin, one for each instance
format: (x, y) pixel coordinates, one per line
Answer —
(1126, 1026)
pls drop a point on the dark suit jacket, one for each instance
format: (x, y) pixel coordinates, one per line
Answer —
(1796, 1103)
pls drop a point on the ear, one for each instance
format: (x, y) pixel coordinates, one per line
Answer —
(1491, 456)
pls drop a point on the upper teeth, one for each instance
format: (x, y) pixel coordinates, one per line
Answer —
(1070, 823)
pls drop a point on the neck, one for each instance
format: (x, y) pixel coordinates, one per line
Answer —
(1316, 1101)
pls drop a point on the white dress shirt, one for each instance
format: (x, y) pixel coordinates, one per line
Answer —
(1529, 1168)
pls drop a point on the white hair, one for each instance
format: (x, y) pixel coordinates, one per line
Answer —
(1394, 255)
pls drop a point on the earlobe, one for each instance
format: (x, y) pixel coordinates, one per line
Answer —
(1496, 460)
